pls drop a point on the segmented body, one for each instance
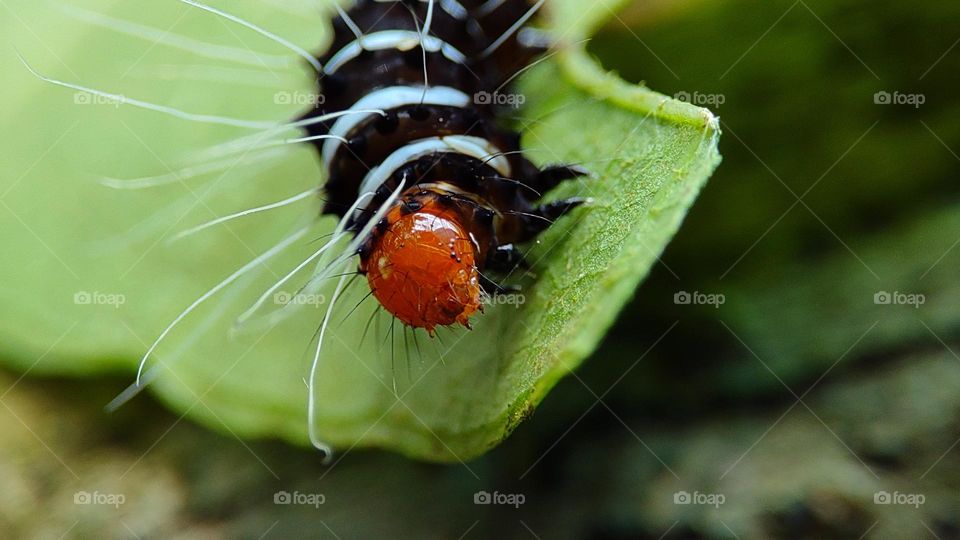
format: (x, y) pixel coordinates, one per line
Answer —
(467, 193)
(419, 169)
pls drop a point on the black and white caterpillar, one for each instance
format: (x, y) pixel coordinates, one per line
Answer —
(464, 194)
(431, 190)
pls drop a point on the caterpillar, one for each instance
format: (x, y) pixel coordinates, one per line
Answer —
(432, 191)
(467, 192)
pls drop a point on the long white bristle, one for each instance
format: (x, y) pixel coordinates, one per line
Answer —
(176, 41)
(357, 33)
(175, 177)
(250, 211)
(311, 385)
(512, 30)
(241, 144)
(120, 99)
(266, 33)
(338, 234)
(217, 288)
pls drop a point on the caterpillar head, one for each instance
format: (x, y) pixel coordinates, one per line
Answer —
(423, 261)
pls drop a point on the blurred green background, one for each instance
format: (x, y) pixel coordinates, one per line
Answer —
(790, 408)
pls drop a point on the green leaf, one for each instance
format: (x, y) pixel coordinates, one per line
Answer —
(68, 239)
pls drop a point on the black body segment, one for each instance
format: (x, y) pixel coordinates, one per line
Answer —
(478, 166)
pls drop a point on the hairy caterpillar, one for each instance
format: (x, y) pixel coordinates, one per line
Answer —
(430, 189)
(465, 189)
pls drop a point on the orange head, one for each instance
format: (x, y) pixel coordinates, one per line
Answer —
(422, 264)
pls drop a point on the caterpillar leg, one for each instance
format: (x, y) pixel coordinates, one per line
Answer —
(557, 209)
(552, 176)
(544, 216)
(506, 258)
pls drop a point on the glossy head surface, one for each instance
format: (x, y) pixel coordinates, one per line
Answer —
(422, 266)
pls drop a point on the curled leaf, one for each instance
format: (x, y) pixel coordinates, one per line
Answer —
(88, 277)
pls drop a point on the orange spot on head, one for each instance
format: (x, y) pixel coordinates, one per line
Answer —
(423, 270)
